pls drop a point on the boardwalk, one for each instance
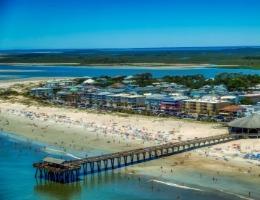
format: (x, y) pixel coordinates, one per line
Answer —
(70, 171)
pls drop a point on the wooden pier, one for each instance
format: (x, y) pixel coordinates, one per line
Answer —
(69, 171)
(57, 170)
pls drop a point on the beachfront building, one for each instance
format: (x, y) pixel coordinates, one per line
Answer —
(135, 101)
(210, 107)
(67, 83)
(52, 84)
(70, 96)
(253, 97)
(231, 98)
(251, 109)
(99, 99)
(125, 101)
(153, 101)
(172, 103)
(59, 83)
(232, 111)
(114, 100)
(88, 98)
(43, 92)
(246, 127)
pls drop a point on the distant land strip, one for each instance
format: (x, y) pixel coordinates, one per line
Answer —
(238, 58)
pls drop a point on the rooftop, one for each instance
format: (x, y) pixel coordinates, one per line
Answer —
(206, 100)
(252, 121)
(53, 160)
(155, 96)
(41, 88)
(250, 95)
(231, 108)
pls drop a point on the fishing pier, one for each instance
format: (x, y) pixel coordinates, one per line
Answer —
(62, 171)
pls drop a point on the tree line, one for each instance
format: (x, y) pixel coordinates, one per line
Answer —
(233, 81)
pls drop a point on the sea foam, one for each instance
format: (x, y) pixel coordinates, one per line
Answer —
(177, 185)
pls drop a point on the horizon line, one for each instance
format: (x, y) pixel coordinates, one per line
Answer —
(129, 48)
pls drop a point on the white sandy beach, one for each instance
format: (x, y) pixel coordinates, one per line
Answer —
(112, 132)
(132, 127)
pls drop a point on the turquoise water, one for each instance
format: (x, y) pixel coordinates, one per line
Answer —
(18, 182)
(19, 72)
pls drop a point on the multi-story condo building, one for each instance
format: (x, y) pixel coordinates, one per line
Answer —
(153, 101)
(209, 107)
(124, 100)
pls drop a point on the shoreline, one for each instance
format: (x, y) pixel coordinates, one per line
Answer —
(154, 181)
(127, 65)
(159, 66)
(33, 80)
(183, 176)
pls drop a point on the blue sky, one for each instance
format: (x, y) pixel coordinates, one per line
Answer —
(26, 24)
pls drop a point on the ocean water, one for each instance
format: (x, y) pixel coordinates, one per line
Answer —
(18, 181)
(20, 72)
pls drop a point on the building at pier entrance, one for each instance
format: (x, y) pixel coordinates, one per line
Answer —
(246, 127)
